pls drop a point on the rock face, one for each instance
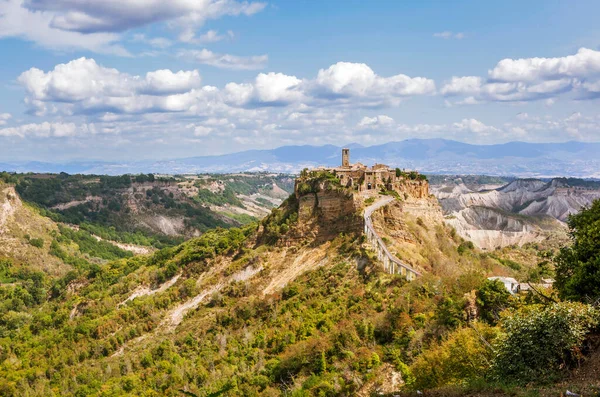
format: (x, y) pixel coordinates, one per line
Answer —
(525, 210)
(330, 211)
(415, 189)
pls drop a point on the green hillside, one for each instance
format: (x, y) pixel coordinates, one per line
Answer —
(227, 314)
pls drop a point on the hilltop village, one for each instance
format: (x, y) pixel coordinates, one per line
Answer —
(372, 180)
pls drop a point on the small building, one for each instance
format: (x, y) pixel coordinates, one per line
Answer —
(510, 283)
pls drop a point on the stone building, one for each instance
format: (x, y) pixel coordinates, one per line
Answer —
(375, 178)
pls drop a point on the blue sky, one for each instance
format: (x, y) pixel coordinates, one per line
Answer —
(126, 79)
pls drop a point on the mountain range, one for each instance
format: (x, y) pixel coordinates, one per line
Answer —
(439, 156)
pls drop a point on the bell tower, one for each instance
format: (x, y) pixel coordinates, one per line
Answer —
(345, 157)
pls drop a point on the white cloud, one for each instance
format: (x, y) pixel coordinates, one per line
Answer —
(82, 85)
(531, 79)
(156, 42)
(449, 35)
(225, 61)
(202, 130)
(359, 81)
(474, 126)
(582, 65)
(211, 36)
(96, 25)
(467, 85)
(18, 21)
(43, 130)
(4, 117)
(92, 16)
(375, 122)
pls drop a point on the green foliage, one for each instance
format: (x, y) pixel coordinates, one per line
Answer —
(90, 245)
(109, 215)
(227, 196)
(539, 341)
(37, 242)
(465, 246)
(390, 193)
(492, 299)
(8, 177)
(464, 357)
(280, 220)
(578, 266)
(313, 181)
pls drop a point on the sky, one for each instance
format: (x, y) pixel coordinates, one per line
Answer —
(120, 80)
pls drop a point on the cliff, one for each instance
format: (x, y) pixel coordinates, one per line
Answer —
(329, 211)
(413, 188)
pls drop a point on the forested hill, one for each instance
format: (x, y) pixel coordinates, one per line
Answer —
(271, 309)
(153, 211)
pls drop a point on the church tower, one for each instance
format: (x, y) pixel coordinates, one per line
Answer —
(345, 157)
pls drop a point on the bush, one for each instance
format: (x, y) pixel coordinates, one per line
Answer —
(540, 341)
(37, 242)
(463, 357)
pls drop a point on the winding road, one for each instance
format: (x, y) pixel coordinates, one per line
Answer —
(390, 262)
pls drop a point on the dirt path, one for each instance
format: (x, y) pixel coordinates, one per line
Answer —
(145, 291)
(135, 249)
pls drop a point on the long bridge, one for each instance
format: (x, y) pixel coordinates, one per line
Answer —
(391, 264)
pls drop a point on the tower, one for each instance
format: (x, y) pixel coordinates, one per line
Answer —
(345, 157)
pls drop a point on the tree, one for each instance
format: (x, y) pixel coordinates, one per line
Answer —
(492, 298)
(540, 341)
(578, 266)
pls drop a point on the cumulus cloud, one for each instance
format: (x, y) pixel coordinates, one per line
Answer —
(225, 61)
(96, 25)
(474, 126)
(82, 86)
(4, 117)
(18, 21)
(359, 81)
(467, 85)
(449, 35)
(530, 79)
(86, 85)
(375, 122)
(43, 130)
(584, 64)
(272, 89)
(92, 16)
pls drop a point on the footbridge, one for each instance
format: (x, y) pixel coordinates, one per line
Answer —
(391, 264)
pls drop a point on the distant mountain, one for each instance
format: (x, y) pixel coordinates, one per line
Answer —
(520, 159)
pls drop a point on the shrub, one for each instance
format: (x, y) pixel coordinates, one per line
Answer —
(540, 341)
(463, 357)
(37, 242)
